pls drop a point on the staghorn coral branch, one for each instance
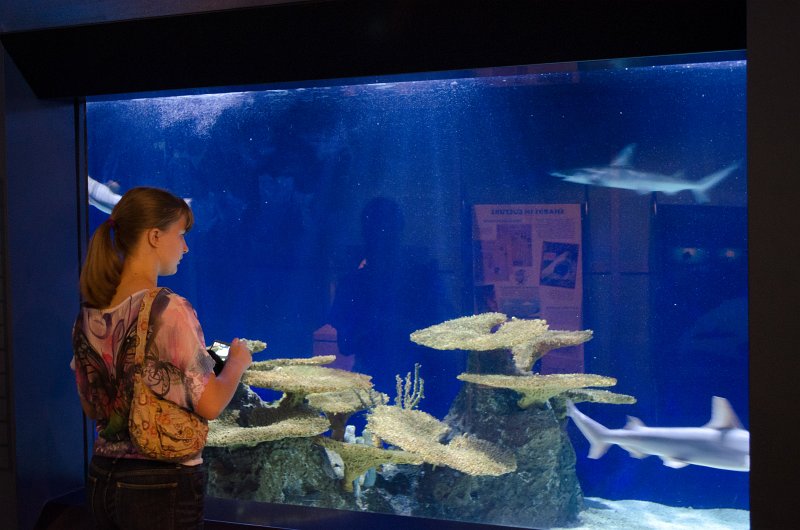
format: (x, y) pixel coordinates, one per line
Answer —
(411, 393)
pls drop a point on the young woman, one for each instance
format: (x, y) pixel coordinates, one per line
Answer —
(142, 240)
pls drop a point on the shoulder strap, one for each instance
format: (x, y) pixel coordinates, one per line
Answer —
(143, 324)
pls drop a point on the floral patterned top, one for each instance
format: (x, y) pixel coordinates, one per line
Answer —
(177, 366)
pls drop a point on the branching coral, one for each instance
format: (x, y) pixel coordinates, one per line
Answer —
(229, 434)
(528, 340)
(595, 395)
(465, 333)
(338, 406)
(409, 393)
(538, 388)
(290, 416)
(274, 363)
(306, 379)
(358, 458)
(527, 352)
(254, 346)
(297, 381)
(346, 401)
(591, 395)
(420, 433)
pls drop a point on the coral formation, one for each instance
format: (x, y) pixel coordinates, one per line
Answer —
(527, 352)
(306, 379)
(545, 466)
(274, 363)
(290, 416)
(471, 477)
(537, 388)
(254, 346)
(338, 406)
(230, 434)
(410, 392)
(465, 333)
(359, 458)
(420, 433)
(595, 395)
(346, 401)
(528, 340)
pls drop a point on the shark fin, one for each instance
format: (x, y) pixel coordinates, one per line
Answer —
(623, 159)
(634, 423)
(633, 452)
(597, 448)
(700, 196)
(722, 415)
(593, 431)
(706, 183)
(674, 463)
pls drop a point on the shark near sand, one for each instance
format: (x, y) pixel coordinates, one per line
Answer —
(722, 443)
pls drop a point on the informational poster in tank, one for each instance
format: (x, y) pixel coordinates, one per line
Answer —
(527, 264)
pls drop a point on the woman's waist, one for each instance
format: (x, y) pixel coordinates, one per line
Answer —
(125, 450)
(133, 465)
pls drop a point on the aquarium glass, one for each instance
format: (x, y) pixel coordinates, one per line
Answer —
(585, 221)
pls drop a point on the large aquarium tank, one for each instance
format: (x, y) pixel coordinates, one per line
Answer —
(514, 296)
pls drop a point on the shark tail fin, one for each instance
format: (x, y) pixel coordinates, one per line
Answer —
(598, 449)
(707, 182)
(593, 431)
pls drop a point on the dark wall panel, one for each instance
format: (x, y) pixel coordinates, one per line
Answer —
(42, 258)
(773, 132)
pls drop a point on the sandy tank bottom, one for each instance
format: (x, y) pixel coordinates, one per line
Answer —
(644, 515)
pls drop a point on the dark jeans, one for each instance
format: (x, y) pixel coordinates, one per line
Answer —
(144, 494)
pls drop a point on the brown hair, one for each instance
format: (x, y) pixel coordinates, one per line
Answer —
(138, 210)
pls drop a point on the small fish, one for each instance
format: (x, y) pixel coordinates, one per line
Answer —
(722, 443)
(620, 174)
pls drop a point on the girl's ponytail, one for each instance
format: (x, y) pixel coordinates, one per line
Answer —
(102, 268)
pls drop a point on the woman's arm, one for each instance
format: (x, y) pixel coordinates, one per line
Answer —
(220, 389)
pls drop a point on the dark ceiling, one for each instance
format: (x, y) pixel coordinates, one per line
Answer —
(356, 38)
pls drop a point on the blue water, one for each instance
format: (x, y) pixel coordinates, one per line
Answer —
(280, 178)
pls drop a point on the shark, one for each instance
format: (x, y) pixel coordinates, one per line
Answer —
(101, 196)
(104, 198)
(722, 443)
(621, 174)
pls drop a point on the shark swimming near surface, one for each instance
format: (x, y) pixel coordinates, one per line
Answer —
(104, 198)
(620, 174)
(722, 443)
(101, 196)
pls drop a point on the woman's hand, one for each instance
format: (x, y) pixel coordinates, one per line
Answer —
(239, 354)
(220, 389)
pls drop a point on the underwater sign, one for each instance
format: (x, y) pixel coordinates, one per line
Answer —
(527, 264)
